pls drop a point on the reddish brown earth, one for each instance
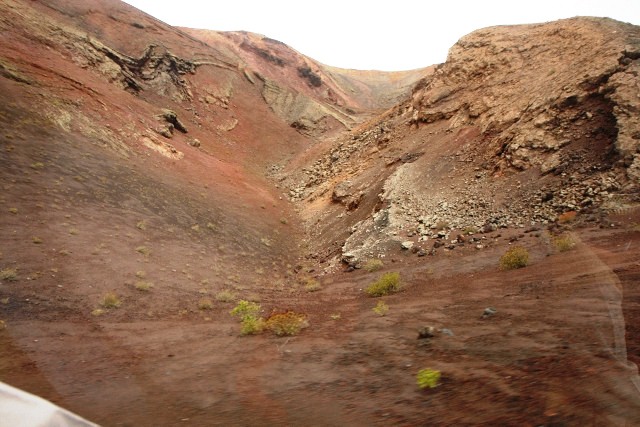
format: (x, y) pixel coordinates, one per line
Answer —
(94, 200)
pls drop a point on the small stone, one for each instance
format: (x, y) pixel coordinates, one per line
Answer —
(166, 131)
(350, 259)
(488, 312)
(488, 228)
(407, 245)
(426, 332)
(342, 191)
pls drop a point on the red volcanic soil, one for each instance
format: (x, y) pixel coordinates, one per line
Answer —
(181, 233)
(554, 352)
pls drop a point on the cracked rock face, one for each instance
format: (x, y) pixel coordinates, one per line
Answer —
(530, 84)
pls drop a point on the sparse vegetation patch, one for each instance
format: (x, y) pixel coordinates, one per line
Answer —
(97, 312)
(381, 309)
(387, 284)
(143, 286)
(373, 264)
(285, 324)
(564, 243)
(251, 325)
(110, 300)
(428, 378)
(143, 250)
(9, 274)
(516, 257)
(311, 284)
(245, 308)
(225, 296)
(249, 314)
(205, 304)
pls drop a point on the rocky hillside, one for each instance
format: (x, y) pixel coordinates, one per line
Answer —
(117, 124)
(520, 125)
(311, 96)
(153, 178)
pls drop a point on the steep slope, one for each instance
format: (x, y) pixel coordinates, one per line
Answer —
(520, 125)
(132, 162)
(312, 97)
(159, 96)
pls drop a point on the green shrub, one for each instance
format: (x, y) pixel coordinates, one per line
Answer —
(381, 308)
(373, 264)
(564, 243)
(251, 325)
(387, 284)
(245, 308)
(428, 378)
(288, 323)
(516, 257)
(250, 321)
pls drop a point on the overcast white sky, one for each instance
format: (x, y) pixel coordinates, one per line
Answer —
(378, 35)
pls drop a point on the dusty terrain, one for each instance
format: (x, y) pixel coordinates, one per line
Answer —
(174, 166)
